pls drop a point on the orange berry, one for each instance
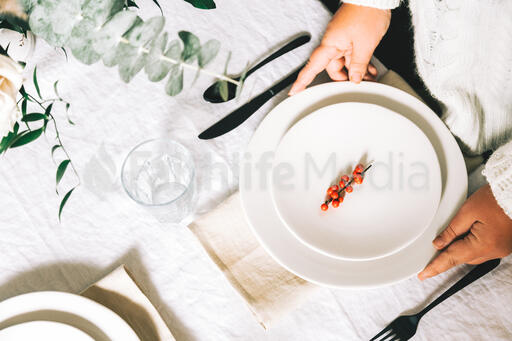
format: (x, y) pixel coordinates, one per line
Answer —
(342, 183)
(340, 199)
(345, 178)
(359, 169)
(335, 188)
(334, 195)
(329, 191)
(324, 207)
(349, 189)
(358, 179)
(335, 203)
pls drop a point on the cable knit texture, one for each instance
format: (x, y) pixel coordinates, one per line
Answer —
(498, 172)
(463, 53)
(382, 4)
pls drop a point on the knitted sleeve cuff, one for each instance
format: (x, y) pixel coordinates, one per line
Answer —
(498, 172)
(382, 4)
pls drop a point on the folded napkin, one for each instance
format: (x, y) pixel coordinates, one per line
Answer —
(269, 289)
(119, 292)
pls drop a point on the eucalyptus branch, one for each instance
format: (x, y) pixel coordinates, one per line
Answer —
(186, 65)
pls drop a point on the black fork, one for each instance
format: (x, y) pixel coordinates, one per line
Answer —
(404, 327)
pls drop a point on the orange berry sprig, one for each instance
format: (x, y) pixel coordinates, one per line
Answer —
(336, 192)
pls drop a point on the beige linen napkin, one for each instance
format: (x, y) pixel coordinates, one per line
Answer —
(119, 292)
(269, 289)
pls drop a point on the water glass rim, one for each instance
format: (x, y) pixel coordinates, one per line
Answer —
(189, 184)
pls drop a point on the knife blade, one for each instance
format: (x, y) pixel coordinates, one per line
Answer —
(240, 115)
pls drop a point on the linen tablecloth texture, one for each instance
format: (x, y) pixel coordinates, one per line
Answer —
(119, 292)
(268, 288)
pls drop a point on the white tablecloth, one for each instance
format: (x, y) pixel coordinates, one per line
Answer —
(103, 228)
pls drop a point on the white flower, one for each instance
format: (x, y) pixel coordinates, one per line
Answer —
(10, 83)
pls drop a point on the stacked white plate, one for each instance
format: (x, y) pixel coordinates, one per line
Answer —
(382, 232)
(58, 316)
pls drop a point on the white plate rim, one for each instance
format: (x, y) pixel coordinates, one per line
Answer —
(104, 319)
(38, 324)
(436, 170)
(454, 181)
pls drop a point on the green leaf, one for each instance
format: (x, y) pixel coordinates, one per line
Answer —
(34, 117)
(202, 4)
(81, 41)
(64, 201)
(54, 148)
(175, 82)
(242, 81)
(208, 52)
(108, 37)
(159, 7)
(191, 44)
(24, 106)
(26, 137)
(131, 3)
(223, 90)
(55, 89)
(156, 68)
(6, 141)
(61, 170)
(130, 57)
(34, 77)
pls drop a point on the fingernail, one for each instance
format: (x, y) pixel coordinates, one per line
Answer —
(438, 242)
(424, 275)
(356, 77)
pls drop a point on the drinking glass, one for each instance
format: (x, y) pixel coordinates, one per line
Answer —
(159, 174)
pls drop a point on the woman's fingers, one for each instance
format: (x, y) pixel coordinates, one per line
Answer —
(459, 225)
(359, 60)
(461, 251)
(335, 70)
(318, 61)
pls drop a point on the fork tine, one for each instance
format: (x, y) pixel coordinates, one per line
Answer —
(389, 337)
(388, 328)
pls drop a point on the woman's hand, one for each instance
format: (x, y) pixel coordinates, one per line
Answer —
(349, 41)
(479, 232)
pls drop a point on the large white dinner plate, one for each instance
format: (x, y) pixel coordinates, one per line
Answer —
(255, 179)
(388, 211)
(101, 323)
(43, 331)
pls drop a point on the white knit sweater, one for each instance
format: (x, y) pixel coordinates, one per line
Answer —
(463, 51)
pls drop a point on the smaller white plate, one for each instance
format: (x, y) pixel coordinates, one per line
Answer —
(397, 200)
(43, 331)
(101, 323)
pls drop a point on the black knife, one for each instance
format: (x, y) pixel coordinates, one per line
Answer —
(237, 117)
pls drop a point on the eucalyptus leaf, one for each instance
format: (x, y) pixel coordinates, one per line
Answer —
(191, 44)
(26, 137)
(223, 90)
(208, 52)
(64, 201)
(81, 42)
(109, 35)
(202, 4)
(101, 10)
(240, 87)
(175, 82)
(40, 22)
(65, 15)
(130, 56)
(61, 170)
(156, 68)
